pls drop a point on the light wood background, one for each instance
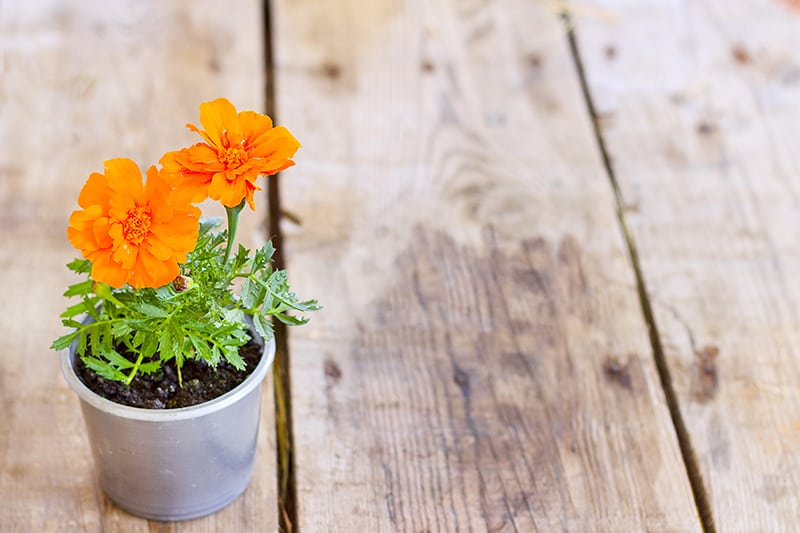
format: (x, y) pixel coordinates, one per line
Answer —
(474, 177)
(457, 225)
(700, 104)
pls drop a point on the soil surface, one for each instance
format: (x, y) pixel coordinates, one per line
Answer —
(160, 390)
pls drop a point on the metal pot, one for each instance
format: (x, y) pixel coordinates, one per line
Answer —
(174, 464)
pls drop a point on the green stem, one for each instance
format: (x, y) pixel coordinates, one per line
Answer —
(134, 370)
(233, 225)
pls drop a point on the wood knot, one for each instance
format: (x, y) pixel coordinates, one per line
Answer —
(332, 71)
(214, 64)
(461, 379)
(534, 60)
(617, 373)
(741, 55)
(707, 373)
(705, 128)
(332, 372)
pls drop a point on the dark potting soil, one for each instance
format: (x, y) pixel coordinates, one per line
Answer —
(160, 390)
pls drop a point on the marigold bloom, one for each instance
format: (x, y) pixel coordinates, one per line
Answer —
(239, 148)
(133, 233)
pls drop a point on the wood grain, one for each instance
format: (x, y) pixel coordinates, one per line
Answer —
(83, 81)
(699, 106)
(481, 363)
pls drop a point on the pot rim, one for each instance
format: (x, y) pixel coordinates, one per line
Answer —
(167, 415)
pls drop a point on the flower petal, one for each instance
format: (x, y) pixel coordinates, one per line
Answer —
(80, 231)
(251, 188)
(254, 126)
(126, 255)
(158, 248)
(277, 144)
(158, 191)
(124, 177)
(218, 116)
(95, 191)
(200, 155)
(229, 193)
(100, 230)
(106, 271)
(200, 132)
(152, 272)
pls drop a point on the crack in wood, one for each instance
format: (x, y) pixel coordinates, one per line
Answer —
(684, 440)
(287, 492)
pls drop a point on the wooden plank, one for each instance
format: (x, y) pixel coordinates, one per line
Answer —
(481, 362)
(700, 105)
(84, 81)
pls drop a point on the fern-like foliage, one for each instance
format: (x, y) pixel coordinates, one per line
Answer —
(198, 316)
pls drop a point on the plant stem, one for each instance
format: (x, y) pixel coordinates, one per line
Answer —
(134, 370)
(233, 225)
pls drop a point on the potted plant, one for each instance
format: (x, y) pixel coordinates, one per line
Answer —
(171, 337)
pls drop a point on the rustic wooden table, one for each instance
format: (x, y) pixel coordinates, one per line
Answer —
(555, 254)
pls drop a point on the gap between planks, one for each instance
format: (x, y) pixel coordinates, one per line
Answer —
(284, 434)
(684, 441)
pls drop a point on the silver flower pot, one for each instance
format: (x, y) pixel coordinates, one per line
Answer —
(174, 464)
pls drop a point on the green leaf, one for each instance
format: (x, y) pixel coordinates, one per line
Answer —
(104, 369)
(263, 326)
(89, 304)
(233, 357)
(84, 287)
(86, 306)
(64, 341)
(208, 224)
(241, 257)
(116, 359)
(202, 348)
(309, 305)
(290, 320)
(166, 345)
(150, 310)
(120, 329)
(234, 318)
(250, 293)
(80, 348)
(179, 356)
(106, 340)
(81, 266)
(262, 257)
(165, 292)
(149, 367)
(149, 345)
(268, 250)
(94, 338)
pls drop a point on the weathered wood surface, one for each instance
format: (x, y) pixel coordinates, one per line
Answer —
(481, 362)
(700, 105)
(83, 81)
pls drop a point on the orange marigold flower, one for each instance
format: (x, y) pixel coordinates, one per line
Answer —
(239, 148)
(132, 232)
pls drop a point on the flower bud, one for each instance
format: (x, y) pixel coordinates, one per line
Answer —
(182, 283)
